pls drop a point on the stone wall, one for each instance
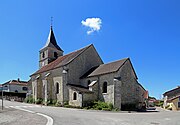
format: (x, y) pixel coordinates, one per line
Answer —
(78, 101)
(79, 66)
(128, 79)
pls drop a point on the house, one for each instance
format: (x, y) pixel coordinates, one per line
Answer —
(81, 77)
(15, 89)
(172, 99)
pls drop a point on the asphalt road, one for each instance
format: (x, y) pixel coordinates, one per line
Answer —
(66, 116)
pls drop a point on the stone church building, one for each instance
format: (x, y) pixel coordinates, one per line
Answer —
(81, 77)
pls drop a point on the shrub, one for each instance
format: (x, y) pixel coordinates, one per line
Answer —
(98, 105)
(54, 102)
(58, 104)
(29, 99)
(66, 103)
(39, 101)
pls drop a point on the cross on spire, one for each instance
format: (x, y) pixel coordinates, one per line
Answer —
(51, 21)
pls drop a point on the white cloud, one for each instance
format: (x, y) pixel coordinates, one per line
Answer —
(94, 24)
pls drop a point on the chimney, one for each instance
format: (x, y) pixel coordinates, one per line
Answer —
(18, 79)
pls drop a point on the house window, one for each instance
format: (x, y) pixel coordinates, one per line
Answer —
(24, 88)
(105, 87)
(57, 88)
(74, 96)
(43, 55)
(55, 54)
(178, 104)
(89, 82)
(16, 91)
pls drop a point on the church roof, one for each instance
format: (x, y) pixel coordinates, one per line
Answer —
(51, 41)
(61, 61)
(109, 68)
(80, 88)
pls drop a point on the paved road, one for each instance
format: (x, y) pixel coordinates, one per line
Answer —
(11, 116)
(65, 116)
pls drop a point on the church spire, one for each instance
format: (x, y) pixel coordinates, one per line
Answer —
(51, 51)
(51, 41)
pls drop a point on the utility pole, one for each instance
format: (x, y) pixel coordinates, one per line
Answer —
(2, 97)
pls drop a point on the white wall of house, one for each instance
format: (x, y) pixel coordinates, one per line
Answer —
(15, 88)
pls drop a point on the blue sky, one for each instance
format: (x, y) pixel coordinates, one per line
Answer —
(147, 31)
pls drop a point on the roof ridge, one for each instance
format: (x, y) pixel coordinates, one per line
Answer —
(115, 61)
(83, 49)
(61, 58)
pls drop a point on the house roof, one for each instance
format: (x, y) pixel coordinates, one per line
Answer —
(109, 68)
(175, 97)
(146, 94)
(176, 90)
(79, 88)
(16, 82)
(51, 41)
(61, 61)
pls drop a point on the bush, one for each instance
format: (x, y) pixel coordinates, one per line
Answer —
(58, 104)
(29, 99)
(39, 101)
(99, 106)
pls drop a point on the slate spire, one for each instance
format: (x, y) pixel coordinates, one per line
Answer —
(51, 41)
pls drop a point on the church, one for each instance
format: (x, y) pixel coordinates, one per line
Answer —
(81, 77)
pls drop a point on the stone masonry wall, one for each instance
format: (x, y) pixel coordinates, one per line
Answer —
(88, 59)
(128, 80)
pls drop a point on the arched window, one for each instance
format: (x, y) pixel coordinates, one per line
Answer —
(74, 96)
(55, 55)
(57, 88)
(105, 87)
(89, 82)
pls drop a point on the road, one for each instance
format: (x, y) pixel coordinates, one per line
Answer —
(66, 116)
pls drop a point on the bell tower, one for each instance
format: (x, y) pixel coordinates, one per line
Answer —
(51, 51)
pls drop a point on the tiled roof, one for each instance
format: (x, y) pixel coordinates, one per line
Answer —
(15, 82)
(173, 92)
(61, 61)
(108, 68)
(172, 98)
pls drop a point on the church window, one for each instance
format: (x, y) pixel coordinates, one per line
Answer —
(105, 87)
(74, 96)
(43, 55)
(55, 55)
(57, 88)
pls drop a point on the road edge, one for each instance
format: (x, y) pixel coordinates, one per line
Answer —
(49, 119)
